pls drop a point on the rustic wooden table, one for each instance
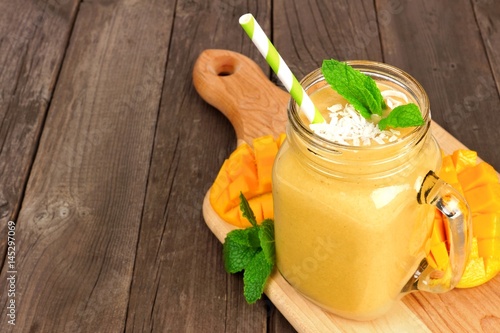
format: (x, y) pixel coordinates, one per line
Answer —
(106, 149)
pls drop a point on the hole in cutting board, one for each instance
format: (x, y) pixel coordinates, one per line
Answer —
(225, 70)
(225, 66)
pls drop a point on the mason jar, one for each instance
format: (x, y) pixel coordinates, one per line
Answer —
(352, 222)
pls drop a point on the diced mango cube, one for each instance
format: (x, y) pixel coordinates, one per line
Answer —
(241, 184)
(474, 252)
(448, 172)
(267, 205)
(489, 247)
(486, 225)
(431, 261)
(257, 211)
(492, 266)
(480, 174)
(281, 139)
(474, 273)
(463, 158)
(440, 254)
(484, 199)
(265, 151)
(233, 214)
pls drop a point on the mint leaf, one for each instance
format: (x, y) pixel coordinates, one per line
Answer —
(237, 251)
(407, 115)
(266, 236)
(358, 89)
(252, 250)
(253, 237)
(247, 210)
(255, 277)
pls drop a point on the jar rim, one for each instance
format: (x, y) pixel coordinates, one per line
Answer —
(373, 69)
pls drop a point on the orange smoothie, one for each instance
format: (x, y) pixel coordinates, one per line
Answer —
(349, 230)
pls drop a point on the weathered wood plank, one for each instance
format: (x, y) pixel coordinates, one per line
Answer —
(179, 282)
(305, 33)
(277, 323)
(33, 38)
(79, 223)
(488, 19)
(439, 43)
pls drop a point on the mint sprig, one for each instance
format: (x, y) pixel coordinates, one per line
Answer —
(362, 92)
(251, 250)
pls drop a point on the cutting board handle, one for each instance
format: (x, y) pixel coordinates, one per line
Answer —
(236, 86)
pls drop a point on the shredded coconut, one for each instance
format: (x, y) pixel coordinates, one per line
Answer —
(347, 126)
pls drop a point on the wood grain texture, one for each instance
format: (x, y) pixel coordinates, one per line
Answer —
(33, 39)
(179, 282)
(305, 33)
(79, 223)
(488, 19)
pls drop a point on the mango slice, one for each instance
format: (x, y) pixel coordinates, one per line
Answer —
(480, 185)
(247, 170)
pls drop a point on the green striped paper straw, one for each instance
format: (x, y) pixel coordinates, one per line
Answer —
(268, 51)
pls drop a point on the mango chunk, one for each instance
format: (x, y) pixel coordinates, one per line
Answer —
(266, 202)
(492, 266)
(265, 151)
(440, 255)
(448, 172)
(458, 187)
(463, 158)
(281, 139)
(480, 174)
(474, 251)
(489, 247)
(431, 261)
(474, 274)
(438, 229)
(436, 248)
(233, 214)
(256, 208)
(486, 225)
(484, 198)
(218, 188)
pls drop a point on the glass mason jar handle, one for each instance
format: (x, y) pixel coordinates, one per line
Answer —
(457, 216)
